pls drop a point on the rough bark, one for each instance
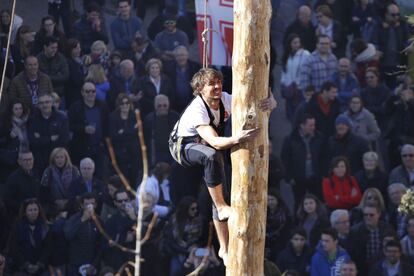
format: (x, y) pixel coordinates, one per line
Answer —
(251, 59)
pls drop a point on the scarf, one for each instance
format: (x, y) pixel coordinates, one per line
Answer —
(19, 127)
(61, 179)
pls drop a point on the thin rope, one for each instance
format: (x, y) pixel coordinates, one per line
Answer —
(204, 37)
(6, 58)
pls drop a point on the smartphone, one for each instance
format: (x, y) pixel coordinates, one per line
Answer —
(201, 252)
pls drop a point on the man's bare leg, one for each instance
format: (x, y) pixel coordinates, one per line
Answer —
(223, 209)
(222, 231)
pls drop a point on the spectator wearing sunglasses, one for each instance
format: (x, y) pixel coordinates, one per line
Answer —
(404, 173)
(87, 119)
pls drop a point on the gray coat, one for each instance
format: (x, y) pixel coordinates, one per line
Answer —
(400, 175)
(364, 124)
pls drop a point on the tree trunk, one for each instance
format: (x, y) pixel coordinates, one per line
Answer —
(251, 59)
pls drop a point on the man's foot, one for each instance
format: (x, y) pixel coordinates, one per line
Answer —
(223, 212)
(223, 254)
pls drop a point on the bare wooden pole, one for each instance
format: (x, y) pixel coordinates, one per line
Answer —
(251, 59)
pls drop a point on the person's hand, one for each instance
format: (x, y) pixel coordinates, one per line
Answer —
(369, 19)
(54, 137)
(269, 103)
(333, 45)
(87, 212)
(130, 236)
(129, 210)
(90, 129)
(247, 134)
(121, 131)
(136, 97)
(2, 264)
(409, 49)
(36, 135)
(13, 133)
(337, 197)
(355, 19)
(96, 24)
(354, 192)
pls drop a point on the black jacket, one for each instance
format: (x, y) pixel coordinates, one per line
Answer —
(118, 87)
(75, 82)
(146, 104)
(20, 186)
(78, 122)
(78, 188)
(351, 146)
(325, 123)
(42, 146)
(405, 269)
(306, 33)
(178, 101)
(287, 259)
(294, 155)
(83, 31)
(358, 238)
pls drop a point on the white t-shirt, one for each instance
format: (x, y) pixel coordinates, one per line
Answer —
(196, 115)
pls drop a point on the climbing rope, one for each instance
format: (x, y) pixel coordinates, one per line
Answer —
(204, 37)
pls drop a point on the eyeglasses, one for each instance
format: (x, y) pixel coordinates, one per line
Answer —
(369, 77)
(394, 14)
(124, 103)
(410, 155)
(169, 22)
(342, 222)
(122, 200)
(369, 215)
(162, 105)
(193, 209)
(90, 91)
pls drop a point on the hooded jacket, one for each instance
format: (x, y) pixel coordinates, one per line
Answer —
(322, 266)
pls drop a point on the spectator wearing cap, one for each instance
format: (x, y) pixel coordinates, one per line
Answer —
(171, 37)
(29, 84)
(346, 82)
(54, 64)
(324, 106)
(125, 27)
(347, 144)
(90, 27)
(142, 51)
(181, 70)
(340, 188)
(404, 173)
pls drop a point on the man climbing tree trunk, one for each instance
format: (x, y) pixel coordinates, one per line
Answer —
(251, 59)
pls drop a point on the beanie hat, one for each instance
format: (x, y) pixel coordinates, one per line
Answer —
(342, 119)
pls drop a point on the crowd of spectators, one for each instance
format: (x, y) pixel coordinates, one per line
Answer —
(348, 159)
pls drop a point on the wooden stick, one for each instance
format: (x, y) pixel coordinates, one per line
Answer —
(6, 58)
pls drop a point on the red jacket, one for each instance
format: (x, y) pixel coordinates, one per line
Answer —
(337, 192)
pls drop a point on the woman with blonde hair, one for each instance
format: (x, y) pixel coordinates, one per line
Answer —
(96, 75)
(99, 55)
(153, 84)
(57, 178)
(371, 196)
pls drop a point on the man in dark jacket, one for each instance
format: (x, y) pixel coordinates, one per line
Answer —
(345, 143)
(22, 184)
(84, 237)
(390, 38)
(297, 253)
(366, 239)
(325, 107)
(46, 130)
(120, 228)
(88, 119)
(303, 27)
(54, 64)
(86, 183)
(303, 155)
(181, 71)
(392, 263)
(90, 27)
(157, 126)
(29, 84)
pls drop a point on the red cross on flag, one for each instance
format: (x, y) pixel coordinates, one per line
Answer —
(220, 40)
